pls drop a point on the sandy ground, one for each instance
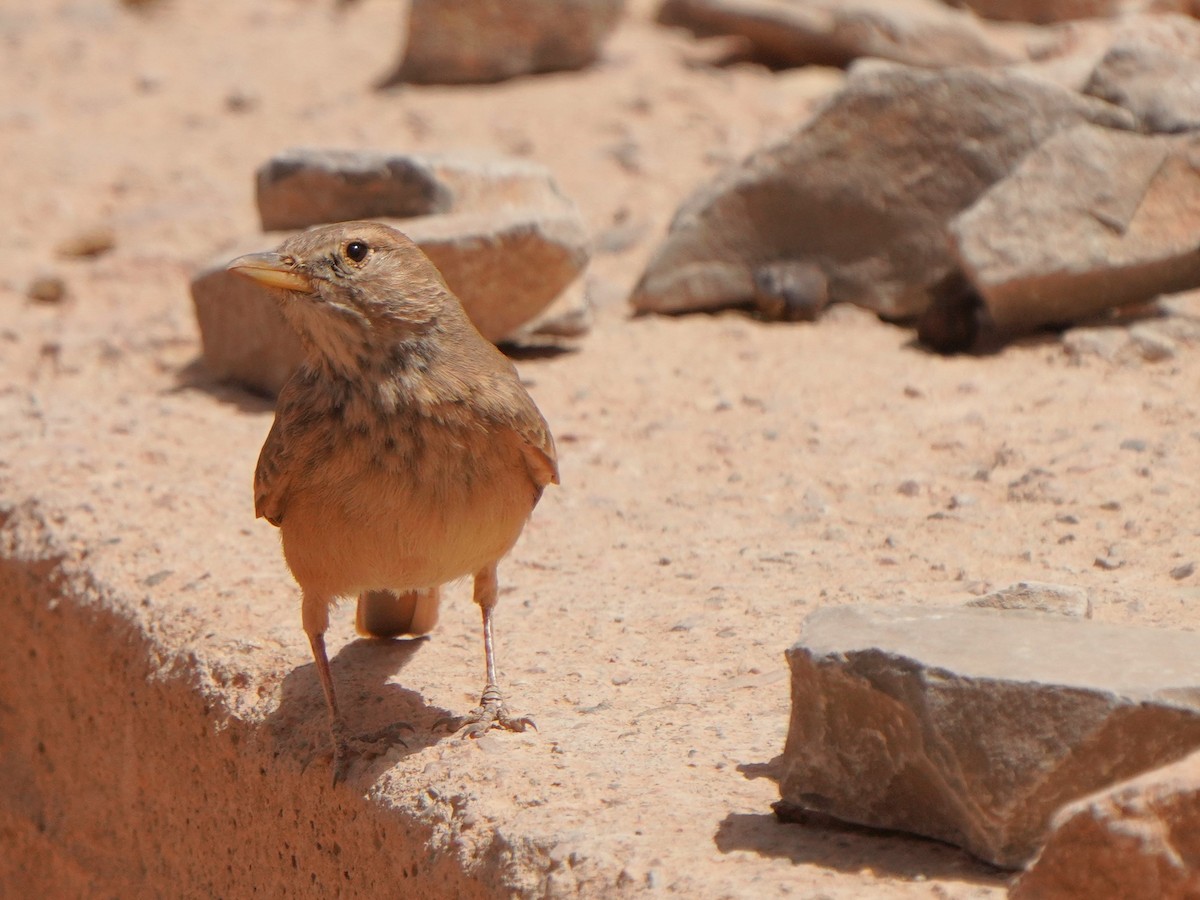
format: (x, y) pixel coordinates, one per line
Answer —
(721, 477)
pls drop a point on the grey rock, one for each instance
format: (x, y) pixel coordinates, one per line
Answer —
(481, 41)
(973, 726)
(1091, 220)
(864, 191)
(1153, 70)
(1038, 596)
(1136, 839)
(832, 33)
(308, 186)
(303, 187)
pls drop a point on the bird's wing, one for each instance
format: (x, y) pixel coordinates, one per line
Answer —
(536, 445)
(270, 476)
(502, 401)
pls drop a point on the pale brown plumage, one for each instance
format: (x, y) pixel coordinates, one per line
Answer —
(405, 452)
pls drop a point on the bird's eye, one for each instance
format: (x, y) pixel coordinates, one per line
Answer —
(357, 250)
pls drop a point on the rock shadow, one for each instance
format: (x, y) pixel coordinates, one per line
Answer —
(195, 376)
(806, 837)
(370, 700)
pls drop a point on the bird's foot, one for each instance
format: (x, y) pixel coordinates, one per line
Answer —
(348, 748)
(490, 713)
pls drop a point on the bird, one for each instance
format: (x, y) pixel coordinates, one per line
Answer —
(405, 452)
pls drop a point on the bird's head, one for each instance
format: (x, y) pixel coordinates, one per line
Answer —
(350, 286)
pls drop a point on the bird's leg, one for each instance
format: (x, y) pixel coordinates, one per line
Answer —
(346, 747)
(491, 712)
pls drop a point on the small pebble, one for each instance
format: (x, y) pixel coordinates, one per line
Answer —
(48, 288)
(89, 242)
(240, 102)
(1181, 572)
(1151, 344)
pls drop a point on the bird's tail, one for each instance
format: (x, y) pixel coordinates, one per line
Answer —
(386, 614)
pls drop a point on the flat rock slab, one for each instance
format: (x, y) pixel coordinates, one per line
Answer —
(1092, 219)
(1140, 838)
(306, 186)
(974, 726)
(835, 32)
(506, 240)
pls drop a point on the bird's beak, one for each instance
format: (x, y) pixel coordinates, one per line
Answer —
(272, 270)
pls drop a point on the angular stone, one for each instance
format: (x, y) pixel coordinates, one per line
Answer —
(304, 187)
(480, 41)
(1038, 596)
(973, 726)
(1091, 220)
(506, 266)
(865, 191)
(1153, 70)
(1140, 838)
(829, 33)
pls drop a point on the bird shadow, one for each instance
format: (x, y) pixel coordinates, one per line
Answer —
(369, 700)
(807, 837)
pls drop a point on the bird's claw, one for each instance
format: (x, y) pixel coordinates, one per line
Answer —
(348, 749)
(483, 719)
(490, 713)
